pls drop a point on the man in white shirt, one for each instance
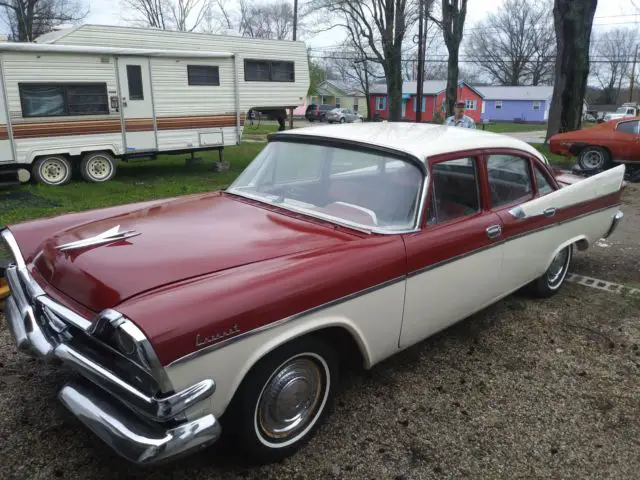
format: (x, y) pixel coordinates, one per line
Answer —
(459, 119)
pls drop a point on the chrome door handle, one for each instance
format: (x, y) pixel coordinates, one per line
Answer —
(494, 231)
(549, 212)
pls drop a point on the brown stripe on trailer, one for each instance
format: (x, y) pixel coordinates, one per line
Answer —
(96, 127)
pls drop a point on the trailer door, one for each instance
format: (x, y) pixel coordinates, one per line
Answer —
(136, 98)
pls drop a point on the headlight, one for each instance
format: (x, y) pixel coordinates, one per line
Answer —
(123, 335)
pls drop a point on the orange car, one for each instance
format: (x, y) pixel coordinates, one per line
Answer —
(599, 147)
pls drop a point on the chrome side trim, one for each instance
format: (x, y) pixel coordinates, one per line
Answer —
(504, 241)
(617, 218)
(278, 323)
(9, 239)
(136, 441)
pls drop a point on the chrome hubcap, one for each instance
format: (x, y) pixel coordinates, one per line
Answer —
(53, 170)
(593, 160)
(558, 265)
(99, 168)
(290, 399)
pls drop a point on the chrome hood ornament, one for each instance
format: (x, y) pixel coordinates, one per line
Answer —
(112, 235)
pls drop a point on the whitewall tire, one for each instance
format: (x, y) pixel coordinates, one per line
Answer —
(98, 167)
(283, 400)
(52, 170)
(553, 278)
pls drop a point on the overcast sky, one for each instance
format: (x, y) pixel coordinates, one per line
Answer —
(109, 12)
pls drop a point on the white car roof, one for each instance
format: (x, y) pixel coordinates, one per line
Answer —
(422, 140)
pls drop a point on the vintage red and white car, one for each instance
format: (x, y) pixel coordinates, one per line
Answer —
(236, 310)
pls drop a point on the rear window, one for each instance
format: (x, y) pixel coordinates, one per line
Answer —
(327, 107)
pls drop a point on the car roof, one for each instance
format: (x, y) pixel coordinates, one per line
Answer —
(421, 140)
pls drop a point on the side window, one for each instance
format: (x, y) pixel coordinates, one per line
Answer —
(543, 185)
(509, 179)
(628, 127)
(134, 79)
(454, 190)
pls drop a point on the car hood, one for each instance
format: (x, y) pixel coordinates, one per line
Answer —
(174, 241)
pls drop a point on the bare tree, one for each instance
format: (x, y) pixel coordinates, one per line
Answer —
(515, 44)
(573, 24)
(613, 48)
(382, 26)
(28, 19)
(454, 13)
(182, 15)
(268, 20)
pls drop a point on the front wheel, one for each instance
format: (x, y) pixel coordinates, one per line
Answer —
(342, 120)
(284, 399)
(550, 282)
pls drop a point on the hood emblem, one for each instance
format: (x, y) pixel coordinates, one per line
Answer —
(112, 235)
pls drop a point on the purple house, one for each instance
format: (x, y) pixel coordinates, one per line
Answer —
(509, 104)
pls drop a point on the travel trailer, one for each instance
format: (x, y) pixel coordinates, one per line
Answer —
(79, 101)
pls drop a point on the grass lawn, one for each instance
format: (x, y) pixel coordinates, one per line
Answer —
(136, 181)
(566, 162)
(512, 127)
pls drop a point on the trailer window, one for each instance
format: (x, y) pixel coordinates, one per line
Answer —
(87, 99)
(268, 71)
(134, 79)
(203, 75)
(42, 100)
(56, 100)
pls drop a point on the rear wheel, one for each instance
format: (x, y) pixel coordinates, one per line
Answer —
(594, 158)
(98, 167)
(52, 170)
(550, 282)
(284, 399)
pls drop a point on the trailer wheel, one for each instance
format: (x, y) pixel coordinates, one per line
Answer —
(52, 170)
(97, 167)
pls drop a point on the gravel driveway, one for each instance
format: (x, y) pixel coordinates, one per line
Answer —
(524, 389)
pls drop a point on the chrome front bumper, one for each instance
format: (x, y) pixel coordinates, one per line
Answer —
(145, 429)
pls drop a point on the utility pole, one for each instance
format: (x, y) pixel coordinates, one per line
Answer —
(421, 46)
(633, 75)
(295, 37)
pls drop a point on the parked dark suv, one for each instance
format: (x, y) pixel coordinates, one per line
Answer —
(318, 112)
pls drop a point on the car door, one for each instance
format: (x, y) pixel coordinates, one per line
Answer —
(626, 140)
(454, 261)
(539, 218)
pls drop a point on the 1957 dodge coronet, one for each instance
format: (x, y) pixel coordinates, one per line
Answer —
(234, 311)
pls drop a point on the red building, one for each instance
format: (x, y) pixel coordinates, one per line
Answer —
(433, 100)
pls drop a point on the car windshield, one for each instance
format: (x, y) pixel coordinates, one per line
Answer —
(366, 189)
(622, 110)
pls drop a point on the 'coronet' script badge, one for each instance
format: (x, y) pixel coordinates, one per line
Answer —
(200, 341)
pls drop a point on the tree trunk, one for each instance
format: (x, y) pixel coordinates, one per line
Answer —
(394, 80)
(452, 81)
(573, 23)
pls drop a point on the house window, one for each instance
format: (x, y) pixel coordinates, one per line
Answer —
(54, 100)
(134, 79)
(404, 108)
(424, 104)
(338, 102)
(470, 104)
(537, 105)
(355, 104)
(498, 104)
(381, 103)
(268, 71)
(203, 75)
